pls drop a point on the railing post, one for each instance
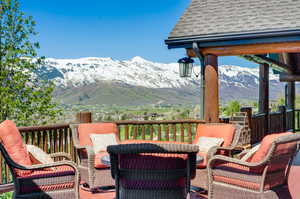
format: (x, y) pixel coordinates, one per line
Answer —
(282, 110)
(248, 110)
(84, 117)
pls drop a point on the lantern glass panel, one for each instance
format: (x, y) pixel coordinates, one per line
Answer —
(189, 69)
(182, 71)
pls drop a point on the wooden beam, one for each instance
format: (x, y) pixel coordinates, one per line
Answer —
(283, 77)
(292, 59)
(297, 62)
(251, 49)
(260, 59)
(211, 101)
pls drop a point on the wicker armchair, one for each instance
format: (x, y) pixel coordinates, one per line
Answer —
(151, 170)
(231, 135)
(54, 180)
(94, 173)
(263, 176)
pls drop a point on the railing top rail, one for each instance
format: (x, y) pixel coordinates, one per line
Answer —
(259, 115)
(42, 128)
(125, 122)
(275, 113)
(128, 122)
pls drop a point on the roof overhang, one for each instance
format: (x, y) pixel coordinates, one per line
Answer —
(232, 39)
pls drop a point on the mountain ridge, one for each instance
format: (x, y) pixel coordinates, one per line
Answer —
(77, 75)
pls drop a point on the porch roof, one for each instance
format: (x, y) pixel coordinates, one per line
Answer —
(236, 22)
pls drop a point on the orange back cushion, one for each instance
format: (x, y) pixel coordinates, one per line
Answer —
(13, 143)
(225, 131)
(266, 144)
(84, 131)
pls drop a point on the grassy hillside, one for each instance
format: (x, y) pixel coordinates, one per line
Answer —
(111, 93)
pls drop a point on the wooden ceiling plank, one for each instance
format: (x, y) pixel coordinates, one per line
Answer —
(252, 49)
(260, 59)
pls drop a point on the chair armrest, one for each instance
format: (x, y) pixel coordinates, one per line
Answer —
(61, 155)
(44, 166)
(214, 150)
(226, 159)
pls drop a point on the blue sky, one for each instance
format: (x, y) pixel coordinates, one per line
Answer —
(117, 28)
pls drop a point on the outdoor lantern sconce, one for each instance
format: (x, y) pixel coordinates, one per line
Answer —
(185, 66)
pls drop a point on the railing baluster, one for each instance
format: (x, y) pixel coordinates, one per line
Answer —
(143, 132)
(55, 139)
(159, 132)
(298, 119)
(135, 129)
(66, 140)
(126, 132)
(45, 141)
(39, 139)
(190, 132)
(167, 132)
(151, 132)
(174, 132)
(61, 140)
(182, 132)
(7, 174)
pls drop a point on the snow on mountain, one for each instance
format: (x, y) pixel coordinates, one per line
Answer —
(139, 72)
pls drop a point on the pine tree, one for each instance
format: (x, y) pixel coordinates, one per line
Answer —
(24, 97)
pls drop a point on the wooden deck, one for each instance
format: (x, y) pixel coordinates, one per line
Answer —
(294, 186)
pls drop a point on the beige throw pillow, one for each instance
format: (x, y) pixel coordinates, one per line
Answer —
(102, 141)
(38, 156)
(250, 153)
(206, 143)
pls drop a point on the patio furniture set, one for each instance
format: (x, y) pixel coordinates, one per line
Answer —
(154, 169)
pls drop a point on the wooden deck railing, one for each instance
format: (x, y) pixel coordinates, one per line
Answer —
(58, 138)
(258, 128)
(297, 120)
(174, 130)
(282, 120)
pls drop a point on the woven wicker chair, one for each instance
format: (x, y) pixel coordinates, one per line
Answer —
(151, 170)
(263, 176)
(94, 173)
(229, 132)
(56, 180)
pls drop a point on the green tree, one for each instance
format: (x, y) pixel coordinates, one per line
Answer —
(233, 106)
(24, 97)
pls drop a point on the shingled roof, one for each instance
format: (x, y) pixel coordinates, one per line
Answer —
(211, 20)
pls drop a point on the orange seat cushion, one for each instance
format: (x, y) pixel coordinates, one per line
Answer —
(28, 185)
(266, 144)
(84, 131)
(98, 162)
(225, 131)
(13, 143)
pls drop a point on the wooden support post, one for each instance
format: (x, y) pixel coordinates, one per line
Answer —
(282, 110)
(290, 100)
(84, 117)
(291, 94)
(211, 101)
(264, 93)
(248, 110)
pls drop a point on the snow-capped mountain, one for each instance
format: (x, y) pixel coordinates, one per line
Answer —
(235, 81)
